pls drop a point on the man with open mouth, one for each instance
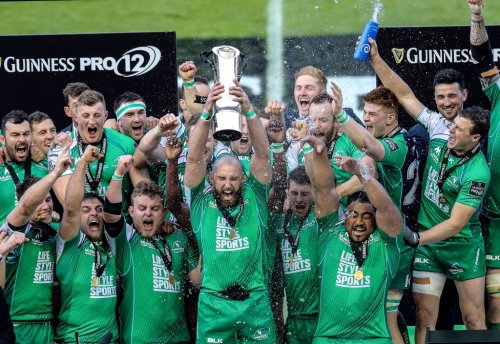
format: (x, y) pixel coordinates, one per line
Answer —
(229, 220)
(85, 263)
(43, 133)
(383, 140)
(91, 114)
(356, 260)
(30, 268)
(16, 140)
(153, 263)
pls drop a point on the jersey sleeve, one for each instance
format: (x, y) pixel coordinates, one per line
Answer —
(68, 253)
(474, 188)
(436, 125)
(395, 151)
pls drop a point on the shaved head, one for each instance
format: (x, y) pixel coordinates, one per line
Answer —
(227, 160)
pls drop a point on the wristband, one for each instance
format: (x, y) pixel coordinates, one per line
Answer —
(306, 148)
(117, 177)
(250, 114)
(343, 118)
(112, 208)
(187, 84)
(206, 116)
(277, 147)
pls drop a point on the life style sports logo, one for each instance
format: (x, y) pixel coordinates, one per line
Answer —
(134, 62)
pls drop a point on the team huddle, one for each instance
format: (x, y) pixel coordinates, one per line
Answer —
(146, 230)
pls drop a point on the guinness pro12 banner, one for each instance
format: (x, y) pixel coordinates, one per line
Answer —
(418, 53)
(35, 69)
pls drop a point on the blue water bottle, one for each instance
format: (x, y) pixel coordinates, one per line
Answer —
(370, 31)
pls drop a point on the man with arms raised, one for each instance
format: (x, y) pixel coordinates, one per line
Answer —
(16, 142)
(229, 220)
(357, 260)
(30, 269)
(85, 265)
(490, 80)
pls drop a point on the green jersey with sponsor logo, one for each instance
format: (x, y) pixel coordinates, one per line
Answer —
(493, 195)
(30, 275)
(231, 255)
(88, 302)
(8, 199)
(153, 305)
(344, 147)
(117, 145)
(389, 168)
(301, 273)
(466, 185)
(353, 309)
(245, 163)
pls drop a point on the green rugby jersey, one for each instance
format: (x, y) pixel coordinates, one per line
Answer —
(231, 256)
(354, 310)
(30, 274)
(152, 309)
(344, 147)
(117, 145)
(301, 272)
(86, 308)
(493, 195)
(8, 199)
(466, 185)
(389, 168)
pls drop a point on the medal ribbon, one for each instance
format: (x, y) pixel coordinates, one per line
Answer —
(166, 256)
(94, 182)
(229, 218)
(394, 132)
(444, 175)
(360, 255)
(13, 174)
(99, 269)
(288, 234)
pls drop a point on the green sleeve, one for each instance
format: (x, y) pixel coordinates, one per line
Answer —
(328, 222)
(68, 259)
(473, 190)
(395, 151)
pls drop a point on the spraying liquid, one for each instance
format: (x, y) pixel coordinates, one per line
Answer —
(370, 31)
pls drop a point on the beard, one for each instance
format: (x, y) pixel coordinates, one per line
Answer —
(224, 203)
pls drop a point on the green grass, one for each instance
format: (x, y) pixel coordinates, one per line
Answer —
(219, 19)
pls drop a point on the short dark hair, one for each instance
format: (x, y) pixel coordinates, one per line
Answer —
(383, 96)
(74, 89)
(359, 196)
(322, 98)
(37, 117)
(14, 117)
(92, 195)
(23, 186)
(299, 176)
(146, 188)
(126, 97)
(198, 79)
(449, 76)
(90, 98)
(479, 117)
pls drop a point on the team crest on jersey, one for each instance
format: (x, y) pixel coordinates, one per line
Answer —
(177, 247)
(261, 333)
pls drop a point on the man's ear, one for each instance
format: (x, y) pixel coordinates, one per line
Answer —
(67, 112)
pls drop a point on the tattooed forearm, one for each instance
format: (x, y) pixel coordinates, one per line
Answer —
(478, 33)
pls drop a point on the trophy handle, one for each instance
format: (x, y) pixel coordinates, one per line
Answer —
(204, 57)
(243, 62)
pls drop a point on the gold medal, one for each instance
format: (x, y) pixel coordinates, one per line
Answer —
(171, 279)
(231, 234)
(95, 281)
(290, 261)
(442, 200)
(358, 275)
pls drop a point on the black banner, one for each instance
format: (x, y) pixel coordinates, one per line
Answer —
(417, 54)
(35, 69)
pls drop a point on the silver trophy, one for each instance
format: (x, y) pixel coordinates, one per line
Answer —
(226, 112)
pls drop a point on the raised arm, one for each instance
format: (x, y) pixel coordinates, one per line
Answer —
(70, 223)
(37, 192)
(276, 133)
(354, 184)
(361, 137)
(187, 72)
(320, 172)
(196, 166)
(150, 143)
(175, 201)
(394, 82)
(480, 45)
(387, 216)
(259, 163)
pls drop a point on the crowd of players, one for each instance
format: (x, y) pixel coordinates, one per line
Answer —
(145, 230)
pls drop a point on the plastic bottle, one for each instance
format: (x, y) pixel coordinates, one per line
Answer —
(370, 31)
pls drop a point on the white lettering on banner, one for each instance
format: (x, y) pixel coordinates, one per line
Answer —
(44, 270)
(134, 62)
(345, 273)
(222, 240)
(415, 55)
